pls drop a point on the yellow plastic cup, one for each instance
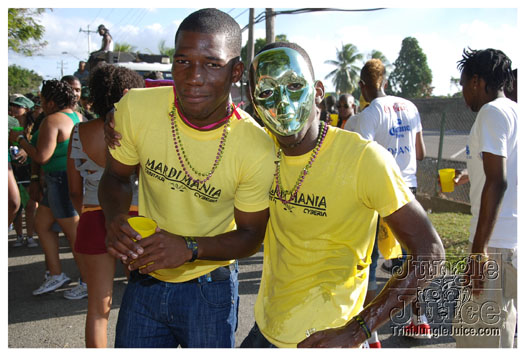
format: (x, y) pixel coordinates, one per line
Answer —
(144, 226)
(446, 176)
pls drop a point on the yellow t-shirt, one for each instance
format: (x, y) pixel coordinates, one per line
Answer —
(241, 180)
(317, 250)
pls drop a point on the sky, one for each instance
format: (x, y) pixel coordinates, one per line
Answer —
(442, 32)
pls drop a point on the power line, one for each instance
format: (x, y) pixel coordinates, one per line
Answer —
(96, 16)
(241, 13)
(262, 16)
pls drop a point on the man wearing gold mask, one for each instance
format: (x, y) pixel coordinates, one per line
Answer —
(319, 237)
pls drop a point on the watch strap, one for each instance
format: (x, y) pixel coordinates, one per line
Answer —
(191, 244)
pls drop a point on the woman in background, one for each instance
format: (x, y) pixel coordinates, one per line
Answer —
(87, 157)
(48, 148)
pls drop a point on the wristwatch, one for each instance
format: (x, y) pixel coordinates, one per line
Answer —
(191, 244)
(19, 138)
(479, 257)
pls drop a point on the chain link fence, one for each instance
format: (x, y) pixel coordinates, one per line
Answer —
(446, 126)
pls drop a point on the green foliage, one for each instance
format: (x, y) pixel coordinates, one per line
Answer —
(411, 77)
(24, 32)
(346, 75)
(257, 46)
(166, 51)
(21, 80)
(124, 47)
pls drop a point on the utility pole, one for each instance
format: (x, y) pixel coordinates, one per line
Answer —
(89, 37)
(250, 47)
(61, 64)
(270, 26)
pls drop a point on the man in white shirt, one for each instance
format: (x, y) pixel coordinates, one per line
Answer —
(492, 172)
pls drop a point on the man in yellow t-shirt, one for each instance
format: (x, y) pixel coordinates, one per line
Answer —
(205, 172)
(319, 237)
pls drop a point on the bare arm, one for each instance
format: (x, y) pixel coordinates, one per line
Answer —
(420, 146)
(13, 195)
(35, 187)
(46, 144)
(167, 250)
(414, 231)
(115, 194)
(491, 196)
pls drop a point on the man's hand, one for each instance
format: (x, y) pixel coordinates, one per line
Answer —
(461, 177)
(161, 250)
(119, 239)
(475, 276)
(111, 136)
(349, 335)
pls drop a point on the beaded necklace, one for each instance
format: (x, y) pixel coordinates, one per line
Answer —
(181, 153)
(282, 193)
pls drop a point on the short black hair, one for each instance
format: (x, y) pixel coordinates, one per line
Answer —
(70, 79)
(212, 21)
(490, 64)
(60, 92)
(293, 46)
(107, 84)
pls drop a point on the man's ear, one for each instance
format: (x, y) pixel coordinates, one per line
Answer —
(237, 71)
(319, 92)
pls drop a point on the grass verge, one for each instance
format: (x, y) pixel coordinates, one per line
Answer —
(453, 228)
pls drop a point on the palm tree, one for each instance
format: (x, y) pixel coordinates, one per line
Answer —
(124, 47)
(346, 76)
(164, 50)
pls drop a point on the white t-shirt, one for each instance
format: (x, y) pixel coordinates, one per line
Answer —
(350, 123)
(495, 131)
(393, 122)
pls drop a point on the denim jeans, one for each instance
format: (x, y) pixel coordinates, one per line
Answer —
(57, 195)
(156, 314)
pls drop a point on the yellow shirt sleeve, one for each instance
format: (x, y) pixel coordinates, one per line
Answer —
(380, 185)
(127, 152)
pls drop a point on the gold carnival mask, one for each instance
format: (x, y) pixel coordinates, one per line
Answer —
(283, 90)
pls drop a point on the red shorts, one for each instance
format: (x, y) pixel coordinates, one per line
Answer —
(91, 232)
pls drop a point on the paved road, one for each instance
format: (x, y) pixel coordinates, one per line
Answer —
(50, 321)
(453, 145)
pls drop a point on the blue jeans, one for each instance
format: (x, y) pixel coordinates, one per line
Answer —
(198, 314)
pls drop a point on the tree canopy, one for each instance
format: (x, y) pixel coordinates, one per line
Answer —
(21, 80)
(411, 77)
(24, 32)
(124, 47)
(257, 46)
(346, 75)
